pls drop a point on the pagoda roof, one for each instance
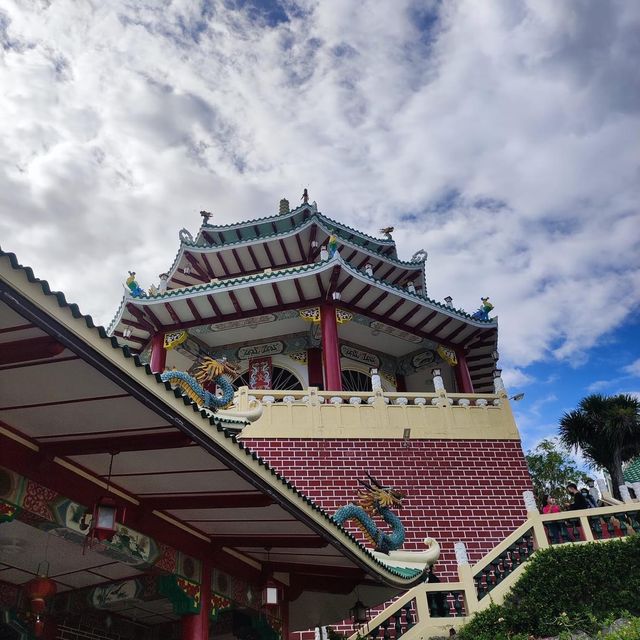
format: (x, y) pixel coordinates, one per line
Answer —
(310, 285)
(292, 253)
(282, 221)
(114, 400)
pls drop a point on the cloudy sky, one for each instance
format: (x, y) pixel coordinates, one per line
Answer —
(503, 137)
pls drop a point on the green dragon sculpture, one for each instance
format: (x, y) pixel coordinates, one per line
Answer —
(376, 500)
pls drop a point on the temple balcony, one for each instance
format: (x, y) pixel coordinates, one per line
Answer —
(312, 413)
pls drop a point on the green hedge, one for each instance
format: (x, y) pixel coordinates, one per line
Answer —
(566, 588)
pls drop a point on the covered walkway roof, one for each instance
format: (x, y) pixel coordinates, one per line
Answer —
(71, 396)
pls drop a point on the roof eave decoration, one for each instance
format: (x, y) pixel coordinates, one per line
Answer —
(311, 211)
(285, 274)
(315, 219)
(19, 288)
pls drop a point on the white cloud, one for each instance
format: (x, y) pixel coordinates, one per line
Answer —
(514, 378)
(633, 369)
(499, 140)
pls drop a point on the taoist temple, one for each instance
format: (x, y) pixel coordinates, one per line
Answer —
(176, 475)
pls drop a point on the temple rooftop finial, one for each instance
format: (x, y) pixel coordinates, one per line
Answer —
(305, 196)
(387, 231)
(205, 216)
(284, 207)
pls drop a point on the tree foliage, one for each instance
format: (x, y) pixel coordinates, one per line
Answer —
(566, 588)
(607, 430)
(551, 467)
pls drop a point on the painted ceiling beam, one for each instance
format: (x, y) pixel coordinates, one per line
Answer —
(211, 501)
(30, 349)
(172, 312)
(265, 541)
(223, 264)
(234, 302)
(377, 301)
(238, 260)
(194, 311)
(208, 267)
(193, 261)
(456, 332)
(320, 286)
(287, 257)
(276, 293)
(425, 322)
(116, 444)
(214, 306)
(140, 317)
(252, 254)
(441, 326)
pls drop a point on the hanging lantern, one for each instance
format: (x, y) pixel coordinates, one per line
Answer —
(271, 594)
(105, 519)
(359, 614)
(37, 591)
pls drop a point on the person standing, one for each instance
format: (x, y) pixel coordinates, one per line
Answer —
(579, 501)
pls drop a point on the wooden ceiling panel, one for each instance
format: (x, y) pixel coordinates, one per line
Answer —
(151, 461)
(182, 482)
(100, 415)
(51, 380)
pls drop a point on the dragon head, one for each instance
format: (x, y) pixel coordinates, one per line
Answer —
(377, 496)
(208, 369)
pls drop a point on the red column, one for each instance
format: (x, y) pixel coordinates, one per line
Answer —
(314, 367)
(401, 383)
(330, 350)
(463, 377)
(158, 353)
(196, 626)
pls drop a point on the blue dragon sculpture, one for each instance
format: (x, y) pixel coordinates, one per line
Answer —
(207, 370)
(376, 500)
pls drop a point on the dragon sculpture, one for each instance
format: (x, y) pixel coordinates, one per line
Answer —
(206, 370)
(376, 500)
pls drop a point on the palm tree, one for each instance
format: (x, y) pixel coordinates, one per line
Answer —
(607, 430)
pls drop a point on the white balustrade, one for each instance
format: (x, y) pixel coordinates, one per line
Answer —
(355, 400)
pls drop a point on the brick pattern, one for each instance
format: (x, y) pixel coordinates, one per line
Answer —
(457, 490)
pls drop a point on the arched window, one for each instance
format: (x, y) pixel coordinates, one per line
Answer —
(353, 380)
(283, 380)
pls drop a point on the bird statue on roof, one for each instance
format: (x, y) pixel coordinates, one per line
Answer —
(134, 287)
(332, 246)
(483, 312)
(387, 231)
(205, 216)
(305, 196)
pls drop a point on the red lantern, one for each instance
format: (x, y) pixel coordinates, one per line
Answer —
(37, 591)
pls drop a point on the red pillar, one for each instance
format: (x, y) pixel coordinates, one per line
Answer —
(196, 626)
(314, 367)
(330, 350)
(158, 353)
(401, 383)
(463, 377)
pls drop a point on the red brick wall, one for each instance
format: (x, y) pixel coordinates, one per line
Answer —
(468, 490)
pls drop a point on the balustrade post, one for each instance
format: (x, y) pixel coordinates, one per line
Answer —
(465, 576)
(539, 533)
(586, 528)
